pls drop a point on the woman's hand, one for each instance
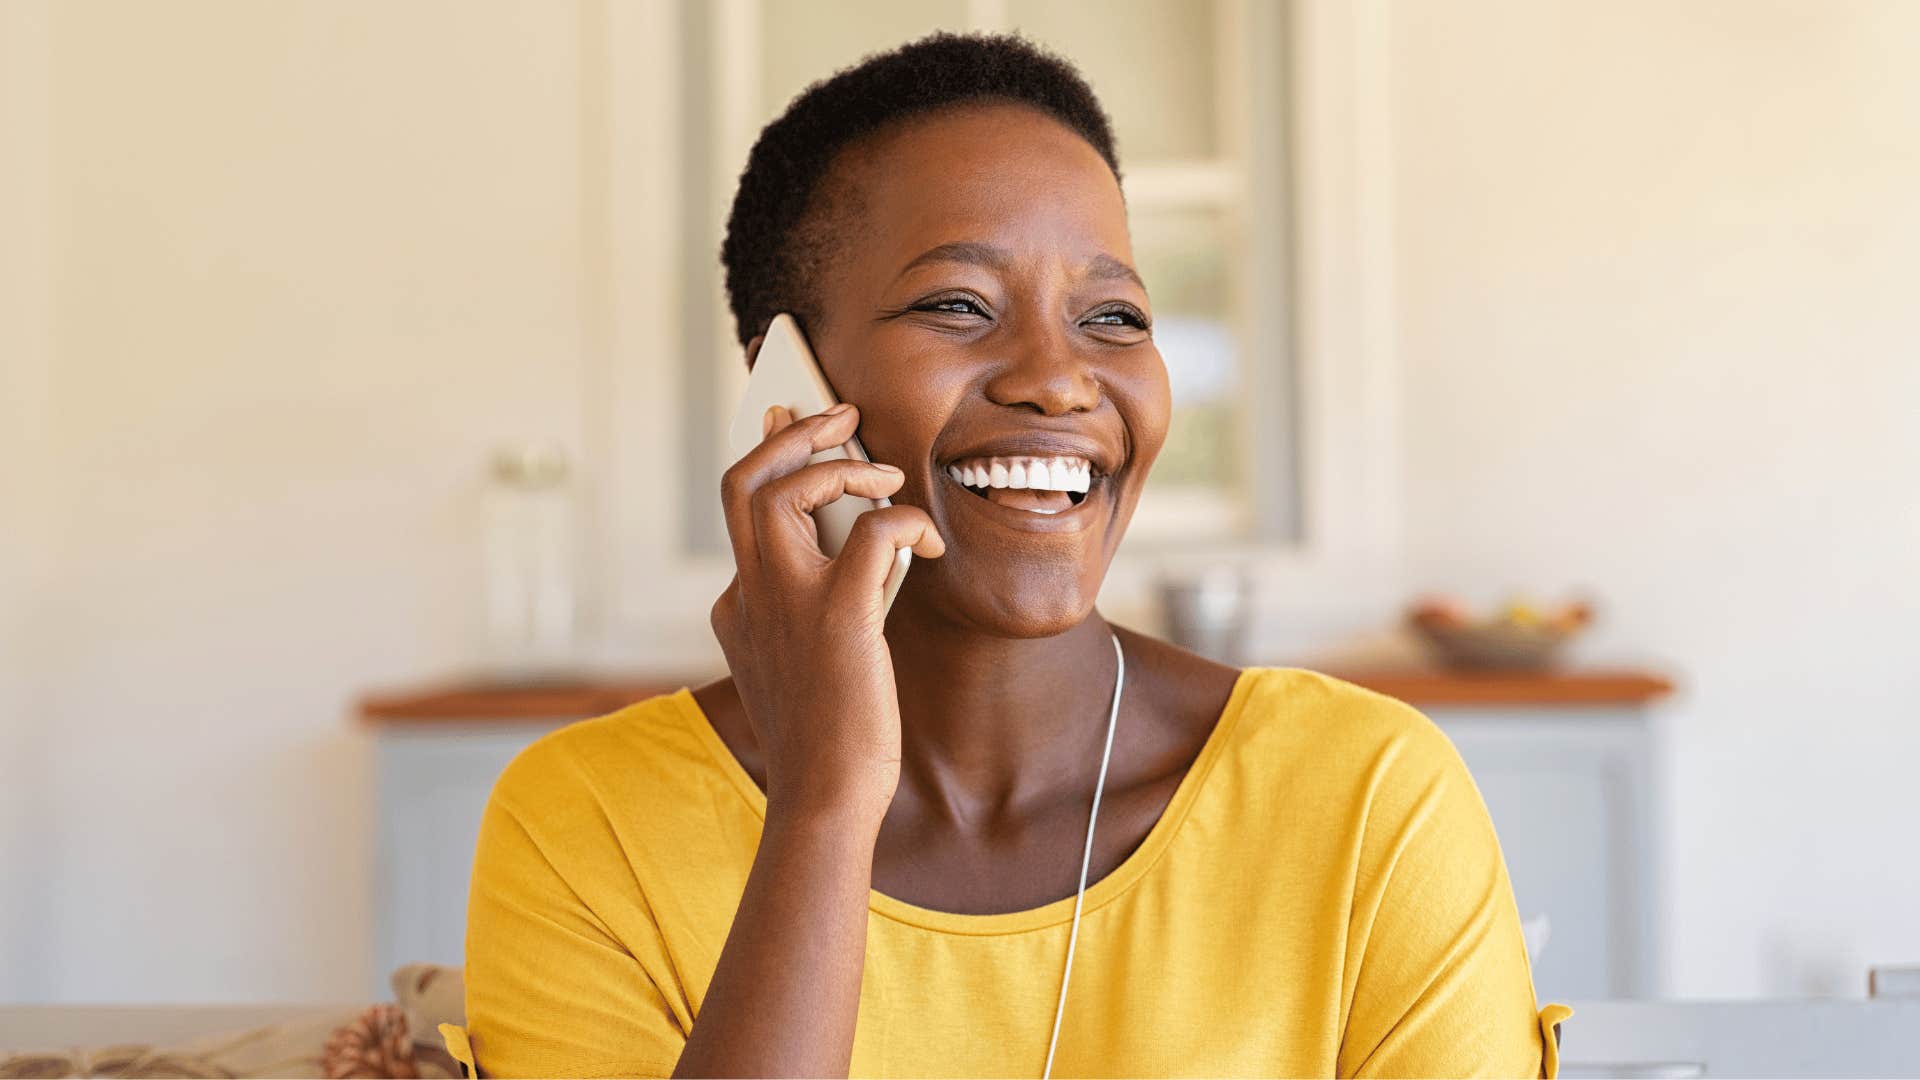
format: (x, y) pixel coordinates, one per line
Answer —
(803, 633)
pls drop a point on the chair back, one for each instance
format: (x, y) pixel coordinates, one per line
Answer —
(1874, 1037)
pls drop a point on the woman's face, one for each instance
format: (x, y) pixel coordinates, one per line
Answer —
(983, 313)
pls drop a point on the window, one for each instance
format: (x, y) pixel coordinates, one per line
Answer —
(1262, 198)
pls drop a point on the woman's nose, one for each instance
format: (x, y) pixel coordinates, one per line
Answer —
(1044, 373)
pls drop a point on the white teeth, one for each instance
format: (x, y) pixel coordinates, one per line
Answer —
(1043, 474)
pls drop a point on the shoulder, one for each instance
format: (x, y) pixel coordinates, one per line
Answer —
(1180, 695)
(603, 803)
(606, 765)
(1341, 742)
(1336, 716)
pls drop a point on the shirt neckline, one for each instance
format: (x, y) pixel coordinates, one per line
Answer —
(1049, 914)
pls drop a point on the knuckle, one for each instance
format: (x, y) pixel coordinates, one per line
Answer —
(735, 481)
(725, 614)
(869, 524)
(876, 526)
(798, 432)
(769, 494)
(810, 484)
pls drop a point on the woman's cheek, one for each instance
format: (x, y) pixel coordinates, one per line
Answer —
(1151, 405)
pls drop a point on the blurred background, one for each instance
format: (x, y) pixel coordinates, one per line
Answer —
(364, 376)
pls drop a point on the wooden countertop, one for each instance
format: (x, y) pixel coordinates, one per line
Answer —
(1545, 688)
(476, 701)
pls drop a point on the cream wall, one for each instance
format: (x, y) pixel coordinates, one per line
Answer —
(278, 276)
(25, 329)
(308, 263)
(1658, 334)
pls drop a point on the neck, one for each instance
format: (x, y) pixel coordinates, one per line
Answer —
(992, 724)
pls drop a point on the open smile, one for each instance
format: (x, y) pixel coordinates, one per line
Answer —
(1040, 494)
(1038, 485)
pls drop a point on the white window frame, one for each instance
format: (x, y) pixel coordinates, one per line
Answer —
(1341, 573)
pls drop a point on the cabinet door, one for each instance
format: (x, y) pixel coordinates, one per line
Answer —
(433, 786)
(1567, 792)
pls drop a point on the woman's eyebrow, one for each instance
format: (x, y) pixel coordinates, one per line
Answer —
(960, 251)
(1101, 267)
(1108, 268)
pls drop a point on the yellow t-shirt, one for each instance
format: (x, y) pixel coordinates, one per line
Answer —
(1323, 895)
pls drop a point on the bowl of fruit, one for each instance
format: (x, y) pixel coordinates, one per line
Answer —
(1520, 636)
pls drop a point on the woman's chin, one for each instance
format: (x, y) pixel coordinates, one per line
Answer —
(1003, 601)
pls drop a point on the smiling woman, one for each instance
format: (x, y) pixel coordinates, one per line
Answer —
(866, 850)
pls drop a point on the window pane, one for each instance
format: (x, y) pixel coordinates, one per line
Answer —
(1186, 257)
(1152, 62)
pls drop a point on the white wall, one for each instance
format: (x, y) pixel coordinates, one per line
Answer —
(25, 329)
(278, 276)
(308, 264)
(1659, 335)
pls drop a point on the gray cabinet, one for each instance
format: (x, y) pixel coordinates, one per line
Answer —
(1570, 791)
(433, 782)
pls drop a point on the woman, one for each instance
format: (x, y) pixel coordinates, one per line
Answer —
(862, 851)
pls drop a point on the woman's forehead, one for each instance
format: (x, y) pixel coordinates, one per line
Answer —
(1003, 179)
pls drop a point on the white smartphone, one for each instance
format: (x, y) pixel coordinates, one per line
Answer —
(785, 373)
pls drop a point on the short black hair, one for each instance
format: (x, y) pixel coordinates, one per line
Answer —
(769, 263)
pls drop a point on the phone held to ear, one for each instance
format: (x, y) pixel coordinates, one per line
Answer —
(785, 373)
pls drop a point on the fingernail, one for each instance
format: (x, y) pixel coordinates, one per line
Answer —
(884, 467)
(836, 410)
(766, 422)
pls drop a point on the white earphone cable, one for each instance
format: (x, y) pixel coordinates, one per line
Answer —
(1086, 857)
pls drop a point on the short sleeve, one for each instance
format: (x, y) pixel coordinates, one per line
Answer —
(1550, 1018)
(551, 990)
(1441, 984)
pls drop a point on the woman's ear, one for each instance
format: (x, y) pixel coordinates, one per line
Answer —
(753, 349)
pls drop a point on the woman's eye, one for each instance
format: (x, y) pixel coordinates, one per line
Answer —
(952, 305)
(1120, 316)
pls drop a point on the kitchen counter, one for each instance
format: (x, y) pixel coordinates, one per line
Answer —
(476, 701)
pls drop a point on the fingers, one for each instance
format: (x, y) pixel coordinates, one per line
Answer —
(770, 495)
(783, 524)
(877, 535)
(788, 445)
